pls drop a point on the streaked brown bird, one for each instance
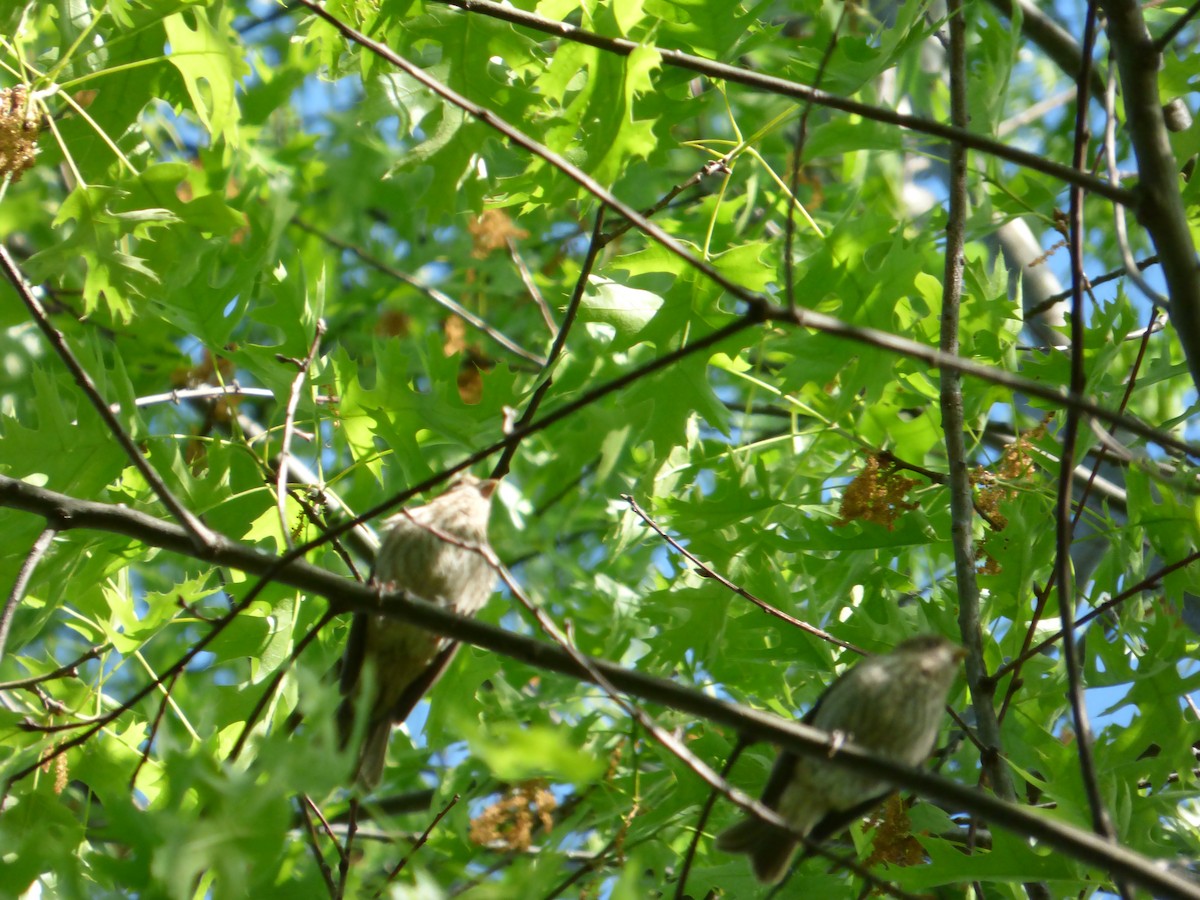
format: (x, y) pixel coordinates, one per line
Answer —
(427, 552)
(891, 705)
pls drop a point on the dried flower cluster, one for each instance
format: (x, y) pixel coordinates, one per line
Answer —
(893, 841)
(876, 495)
(1016, 464)
(492, 231)
(18, 133)
(509, 821)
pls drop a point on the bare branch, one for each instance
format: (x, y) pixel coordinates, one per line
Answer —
(439, 297)
(314, 844)
(709, 572)
(783, 87)
(1064, 526)
(200, 532)
(420, 842)
(346, 595)
(289, 425)
(1177, 26)
(28, 567)
(962, 499)
(560, 343)
(1159, 205)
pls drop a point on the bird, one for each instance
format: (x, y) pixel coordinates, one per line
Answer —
(431, 552)
(891, 705)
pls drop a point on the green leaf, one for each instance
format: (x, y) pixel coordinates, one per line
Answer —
(211, 65)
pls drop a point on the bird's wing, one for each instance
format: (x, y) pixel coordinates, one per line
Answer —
(780, 778)
(833, 822)
(418, 687)
(355, 652)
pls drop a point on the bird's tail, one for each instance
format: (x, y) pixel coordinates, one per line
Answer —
(770, 848)
(369, 771)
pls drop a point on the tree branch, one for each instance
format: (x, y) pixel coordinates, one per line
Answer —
(783, 87)
(1064, 527)
(345, 595)
(54, 337)
(1159, 205)
(962, 499)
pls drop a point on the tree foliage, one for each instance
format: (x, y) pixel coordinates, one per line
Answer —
(848, 359)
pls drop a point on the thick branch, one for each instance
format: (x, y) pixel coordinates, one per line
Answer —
(1160, 206)
(962, 501)
(345, 595)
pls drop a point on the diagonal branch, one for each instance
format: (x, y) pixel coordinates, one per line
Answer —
(1159, 205)
(709, 572)
(289, 427)
(346, 595)
(439, 297)
(200, 533)
(28, 567)
(783, 87)
(560, 342)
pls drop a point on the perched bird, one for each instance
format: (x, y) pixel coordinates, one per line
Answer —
(428, 552)
(891, 705)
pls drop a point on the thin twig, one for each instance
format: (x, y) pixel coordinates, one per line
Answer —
(199, 531)
(314, 844)
(273, 684)
(313, 516)
(709, 572)
(289, 425)
(439, 297)
(597, 860)
(1132, 271)
(789, 231)
(420, 842)
(325, 826)
(1156, 317)
(70, 670)
(1055, 299)
(1177, 26)
(1064, 529)
(1014, 665)
(153, 733)
(710, 168)
(346, 850)
(1035, 111)
(209, 392)
(531, 285)
(560, 342)
(705, 812)
(40, 545)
